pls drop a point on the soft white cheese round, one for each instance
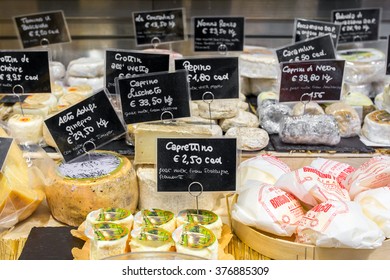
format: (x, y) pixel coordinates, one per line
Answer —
(27, 129)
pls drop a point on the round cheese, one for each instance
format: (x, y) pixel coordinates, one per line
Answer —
(242, 119)
(386, 98)
(348, 120)
(57, 70)
(95, 83)
(87, 67)
(150, 239)
(249, 138)
(70, 99)
(46, 99)
(27, 129)
(218, 109)
(57, 90)
(155, 218)
(31, 109)
(376, 127)
(98, 180)
(310, 108)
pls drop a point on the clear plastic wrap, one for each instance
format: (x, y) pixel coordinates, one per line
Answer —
(310, 129)
(22, 180)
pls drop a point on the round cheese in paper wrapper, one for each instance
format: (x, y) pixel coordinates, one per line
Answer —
(339, 170)
(268, 208)
(339, 224)
(311, 186)
(376, 206)
(375, 173)
(262, 168)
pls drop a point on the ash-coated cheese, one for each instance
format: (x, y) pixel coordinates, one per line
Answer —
(99, 180)
(249, 138)
(376, 127)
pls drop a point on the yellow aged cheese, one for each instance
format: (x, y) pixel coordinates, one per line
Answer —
(145, 137)
(99, 180)
(17, 200)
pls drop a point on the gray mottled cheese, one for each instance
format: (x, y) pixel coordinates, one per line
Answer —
(376, 127)
(145, 137)
(249, 138)
(347, 118)
(242, 119)
(102, 179)
(218, 109)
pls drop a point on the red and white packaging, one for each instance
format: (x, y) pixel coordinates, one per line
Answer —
(263, 168)
(375, 173)
(311, 186)
(376, 206)
(339, 170)
(268, 208)
(339, 224)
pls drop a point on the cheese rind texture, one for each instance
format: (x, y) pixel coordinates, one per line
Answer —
(72, 197)
(376, 127)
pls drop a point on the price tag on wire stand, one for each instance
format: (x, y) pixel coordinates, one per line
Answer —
(5, 145)
(306, 29)
(92, 120)
(358, 25)
(182, 161)
(163, 26)
(24, 72)
(218, 75)
(314, 49)
(218, 34)
(42, 29)
(319, 80)
(148, 97)
(125, 64)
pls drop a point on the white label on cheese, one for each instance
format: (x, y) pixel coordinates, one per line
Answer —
(93, 165)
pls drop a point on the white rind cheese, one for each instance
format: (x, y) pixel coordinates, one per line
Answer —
(347, 118)
(27, 129)
(249, 138)
(87, 67)
(376, 127)
(105, 180)
(242, 119)
(218, 109)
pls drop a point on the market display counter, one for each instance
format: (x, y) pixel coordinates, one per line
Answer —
(241, 245)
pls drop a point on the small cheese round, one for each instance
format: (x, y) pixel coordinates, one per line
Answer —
(57, 70)
(386, 98)
(96, 83)
(83, 90)
(348, 120)
(87, 67)
(70, 99)
(27, 129)
(310, 108)
(218, 109)
(376, 127)
(99, 180)
(46, 99)
(242, 119)
(249, 138)
(31, 109)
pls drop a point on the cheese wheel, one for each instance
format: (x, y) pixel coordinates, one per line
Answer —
(95, 83)
(249, 138)
(347, 118)
(70, 99)
(46, 99)
(218, 109)
(87, 67)
(102, 179)
(27, 129)
(196, 240)
(31, 109)
(57, 90)
(57, 70)
(83, 90)
(155, 218)
(150, 239)
(242, 119)
(376, 127)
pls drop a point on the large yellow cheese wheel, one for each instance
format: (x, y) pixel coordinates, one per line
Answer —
(99, 180)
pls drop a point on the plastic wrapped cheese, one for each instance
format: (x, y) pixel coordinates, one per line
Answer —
(310, 129)
(27, 129)
(262, 168)
(20, 193)
(311, 186)
(339, 224)
(376, 206)
(337, 169)
(268, 208)
(374, 173)
(347, 118)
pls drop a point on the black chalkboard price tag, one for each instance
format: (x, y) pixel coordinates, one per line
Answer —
(24, 72)
(42, 29)
(316, 80)
(163, 26)
(125, 64)
(5, 145)
(182, 161)
(314, 49)
(216, 75)
(358, 24)
(307, 29)
(156, 96)
(85, 126)
(218, 34)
